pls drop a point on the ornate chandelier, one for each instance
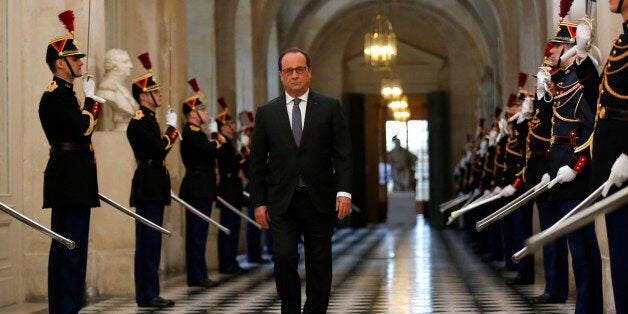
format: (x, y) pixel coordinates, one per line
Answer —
(380, 44)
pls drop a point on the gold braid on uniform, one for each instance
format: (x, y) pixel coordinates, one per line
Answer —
(169, 142)
(556, 114)
(585, 145)
(92, 123)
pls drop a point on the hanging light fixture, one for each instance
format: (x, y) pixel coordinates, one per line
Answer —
(391, 89)
(402, 114)
(380, 44)
(399, 103)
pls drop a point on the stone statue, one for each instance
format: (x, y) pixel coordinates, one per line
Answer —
(120, 105)
(402, 163)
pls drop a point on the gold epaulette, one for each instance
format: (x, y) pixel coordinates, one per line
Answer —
(52, 86)
(138, 115)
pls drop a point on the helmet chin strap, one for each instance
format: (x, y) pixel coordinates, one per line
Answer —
(70, 67)
(562, 52)
(153, 97)
(619, 5)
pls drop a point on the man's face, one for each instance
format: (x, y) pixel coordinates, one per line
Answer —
(614, 3)
(228, 129)
(74, 62)
(202, 115)
(555, 53)
(151, 102)
(295, 84)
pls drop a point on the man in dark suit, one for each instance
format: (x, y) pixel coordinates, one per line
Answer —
(70, 184)
(301, 168)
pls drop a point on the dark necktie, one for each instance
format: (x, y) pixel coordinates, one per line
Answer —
(297, 129)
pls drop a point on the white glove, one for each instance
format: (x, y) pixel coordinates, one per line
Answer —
(212, 126)
(503, 127)
(476, 193)
(492, 138)
(171, 118)
(483, 147)
(244, 140)
(508, 191)
(583, 39)
(565, 174)
(486, 193)
(543, 78)
(89, 85)
(619, 174)
(527, 109)
(545, 179)
(497, 190)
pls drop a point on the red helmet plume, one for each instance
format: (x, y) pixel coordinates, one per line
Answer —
(67, 18)
(145, 59)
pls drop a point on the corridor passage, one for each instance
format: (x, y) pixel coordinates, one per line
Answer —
(376, 270)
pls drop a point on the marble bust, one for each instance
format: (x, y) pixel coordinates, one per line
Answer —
(120, 103)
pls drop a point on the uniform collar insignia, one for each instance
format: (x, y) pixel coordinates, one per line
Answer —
(194, 128)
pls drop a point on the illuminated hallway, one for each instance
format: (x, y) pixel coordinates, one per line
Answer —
(376, 270)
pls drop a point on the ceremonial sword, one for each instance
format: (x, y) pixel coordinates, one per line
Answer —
(199, 213)
(134, 215)
(547, 234)
(27, 221)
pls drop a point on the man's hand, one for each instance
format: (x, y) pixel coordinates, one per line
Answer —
(619, 174)
(88, 86)
(543, 79)
(171, 118)
(583, 39)
(565, 174)
(343, 207)
(545, 179)
(212, 125)
(508, 191)
(261, 216)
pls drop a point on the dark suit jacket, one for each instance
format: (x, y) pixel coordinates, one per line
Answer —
(323, 159)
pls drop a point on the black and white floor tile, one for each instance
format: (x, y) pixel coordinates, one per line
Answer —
(376, 270)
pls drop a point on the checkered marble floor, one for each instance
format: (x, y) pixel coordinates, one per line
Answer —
(376, 270)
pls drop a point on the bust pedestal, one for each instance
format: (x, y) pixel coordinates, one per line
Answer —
(401, 209)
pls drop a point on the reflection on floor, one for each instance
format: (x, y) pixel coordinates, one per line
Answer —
(376, 270)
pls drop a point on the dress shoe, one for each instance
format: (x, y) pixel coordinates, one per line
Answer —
(515, 281)
(233, 270)
(157, 302)
(205, 283)
(546, 299)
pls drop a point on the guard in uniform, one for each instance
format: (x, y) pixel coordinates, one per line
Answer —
(70, 184)
(150, 190)
(521, 219)
(610, 148)
(501, 181)
(252, 233)
(199, 185)
(230, 189)
(555, 265)
(572, 127)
